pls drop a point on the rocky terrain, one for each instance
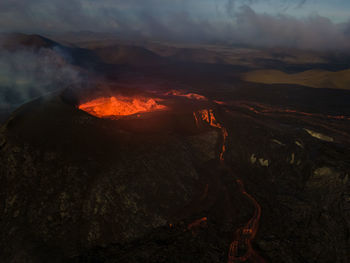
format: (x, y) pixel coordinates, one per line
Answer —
(76, 188)
(256, 172)
(310, 78)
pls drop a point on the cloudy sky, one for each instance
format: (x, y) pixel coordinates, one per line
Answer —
(318, 24)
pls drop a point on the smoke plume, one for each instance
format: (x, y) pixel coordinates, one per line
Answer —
(26, 74)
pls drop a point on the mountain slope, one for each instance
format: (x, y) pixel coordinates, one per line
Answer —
(133, 55)
(16, 40)
(310, 78)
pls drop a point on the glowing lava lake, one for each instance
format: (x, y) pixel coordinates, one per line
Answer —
(118, 106)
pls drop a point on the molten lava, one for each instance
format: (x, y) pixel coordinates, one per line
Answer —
(197, 223)
(241, 249)
(118, 106)
(209, 117)
(259, 108)
(192, 96)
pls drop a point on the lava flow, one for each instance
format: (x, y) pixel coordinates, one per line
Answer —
(115, 107)
(208, 116)
(241, 249)
(187, 95)
(259, 108)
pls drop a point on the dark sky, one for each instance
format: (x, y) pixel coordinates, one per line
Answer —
(315, 24)
(310, 24)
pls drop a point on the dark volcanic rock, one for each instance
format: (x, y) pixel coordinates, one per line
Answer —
(71, 182)
(298, 170)
(75, 188)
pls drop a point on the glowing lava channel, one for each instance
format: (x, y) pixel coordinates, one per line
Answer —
(242, 243)
(265, 109)
(192, 96)
(208, 116)
(114, 107)
(241, 249)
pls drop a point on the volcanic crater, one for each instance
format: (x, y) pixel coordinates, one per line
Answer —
(172, 176)
(124, 180)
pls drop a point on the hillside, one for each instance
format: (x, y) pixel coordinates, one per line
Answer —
(122, 54)
(15, 41)
(309, 78)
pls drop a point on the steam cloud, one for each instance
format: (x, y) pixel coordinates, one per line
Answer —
(315, 32)
(27, 74)
(179, 20)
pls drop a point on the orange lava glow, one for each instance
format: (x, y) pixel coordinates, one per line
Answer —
(241, 249)
(259, 108)
(197, 223)
(245, 235)
(192, 96)
(118, 106)
(220, 102)
(209, 117)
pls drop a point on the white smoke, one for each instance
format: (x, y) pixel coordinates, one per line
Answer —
(26, 74)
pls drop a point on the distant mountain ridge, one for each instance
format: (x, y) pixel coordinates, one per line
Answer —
(309, 78)
(13, 41)
(124, 54)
